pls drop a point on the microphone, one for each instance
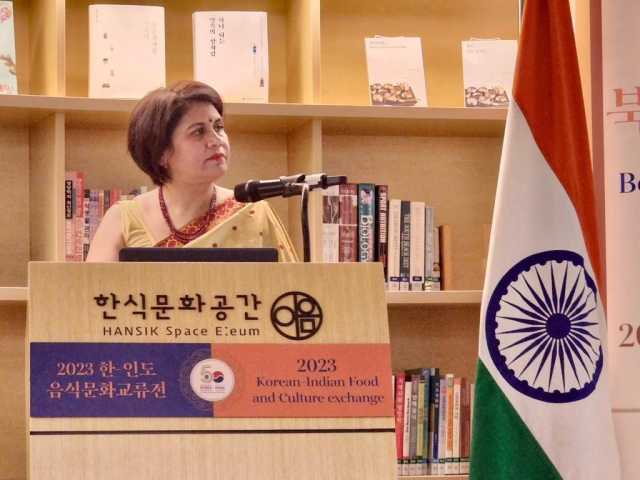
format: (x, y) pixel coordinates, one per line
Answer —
(285, 186)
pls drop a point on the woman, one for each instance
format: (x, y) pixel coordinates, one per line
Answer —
(177, 137)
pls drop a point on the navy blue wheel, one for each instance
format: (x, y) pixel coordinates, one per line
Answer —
(542, 327)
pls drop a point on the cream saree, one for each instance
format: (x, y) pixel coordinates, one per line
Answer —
(234, 224)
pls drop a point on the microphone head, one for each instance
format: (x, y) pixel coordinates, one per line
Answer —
(242, 192)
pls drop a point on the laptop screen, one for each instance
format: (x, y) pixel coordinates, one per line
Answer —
(168, 254)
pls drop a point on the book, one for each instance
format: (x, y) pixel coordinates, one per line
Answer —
(79, 229)
(86, 229)
(487, 71)
(382, 219)
(414, 428)
(449, 421)
(457, 409)
(416, 264)
(231, 53)
(348, 228)
(428, 248)
(465, 425)
(69, 214)
(393, 257)
(399, 416)
(126, 50)
(435, 279)
(442, 426)
(405, 245)
(330, 224)
(426, 405)
(406, 426)
(395, 70)
(434, 420)
(366, 222)
(8, 69)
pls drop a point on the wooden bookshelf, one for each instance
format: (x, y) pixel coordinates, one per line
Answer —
(318, 120)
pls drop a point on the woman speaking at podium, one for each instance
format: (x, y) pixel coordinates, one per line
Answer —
(177, 137)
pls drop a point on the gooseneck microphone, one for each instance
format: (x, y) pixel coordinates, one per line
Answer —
(285, 186)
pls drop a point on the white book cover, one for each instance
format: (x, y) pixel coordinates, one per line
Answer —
(456, 426)
(8, 74)
(487, 71)
(396, 71)
(331, 224)
(231, 53)
(406, 426)
(416, 265)
(126, 50)
(393, 238)
(428, 248)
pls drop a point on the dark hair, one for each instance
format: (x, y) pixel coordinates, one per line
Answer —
(155, 118)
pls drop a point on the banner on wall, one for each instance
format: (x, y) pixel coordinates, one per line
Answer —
(621, 121)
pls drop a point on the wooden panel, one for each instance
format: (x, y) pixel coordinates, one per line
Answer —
(178, 39)
(46, 159)
(46, 49)
(443, 336)
(441, 24)
(457, 176)
(303, 51)
(13, 424)
(14, 199)
(355, 294)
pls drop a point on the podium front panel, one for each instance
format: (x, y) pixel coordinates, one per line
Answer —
(200, 370)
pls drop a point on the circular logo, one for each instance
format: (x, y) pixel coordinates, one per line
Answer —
(212, 379)
(296, 315)
(543, 330)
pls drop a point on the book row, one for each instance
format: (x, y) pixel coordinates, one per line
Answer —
(360, 223)
(83, 211)
(433, 414)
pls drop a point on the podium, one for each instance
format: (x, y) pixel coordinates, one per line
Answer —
(207, 371)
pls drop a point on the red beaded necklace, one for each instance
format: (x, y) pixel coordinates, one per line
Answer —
(187, 237)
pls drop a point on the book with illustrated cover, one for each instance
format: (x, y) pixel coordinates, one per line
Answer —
(8, 72)
(231, 53)
(348, 228)
(126, 50)
(396, 72)
(366, 222)
(487, 71)
(381, 234)
(330, 224)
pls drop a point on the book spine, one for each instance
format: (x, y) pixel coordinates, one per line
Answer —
(86, 231)
(69, 223)
(434, 417)
(420, 445)
(436, 259)
(382, 219)
(348, 222)
(399, 417)
(465, 426)
(413, 424)
(93, 213)
(405, 244)
(449, 399)
(456, 425)
(426, 425)
(78, 233)
(428, 248)
(330, 224)
(8, 73)
(416, 263)
(393, 259)
(406, 426)
(442, 428)
(366, 222)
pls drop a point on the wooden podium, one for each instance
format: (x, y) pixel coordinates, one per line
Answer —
(206, 371)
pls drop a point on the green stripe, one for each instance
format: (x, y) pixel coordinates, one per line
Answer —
(502, 447)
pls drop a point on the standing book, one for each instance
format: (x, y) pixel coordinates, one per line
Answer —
(393, 259)
(416, 265)
(405, 245)
(366, 222)
(382, 223)
(231, 53)
(396, 71)
(331, 224)
(126, 50)
(8, 73)
(348, 228)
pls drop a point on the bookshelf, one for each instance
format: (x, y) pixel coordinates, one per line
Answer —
(318, 120)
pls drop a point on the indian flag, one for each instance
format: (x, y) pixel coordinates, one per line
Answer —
(542, 400)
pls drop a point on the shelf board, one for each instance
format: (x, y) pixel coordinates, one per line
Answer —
(434, 298)
(270, 118)
(13, 294)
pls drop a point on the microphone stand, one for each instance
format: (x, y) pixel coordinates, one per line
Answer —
(303, 190)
